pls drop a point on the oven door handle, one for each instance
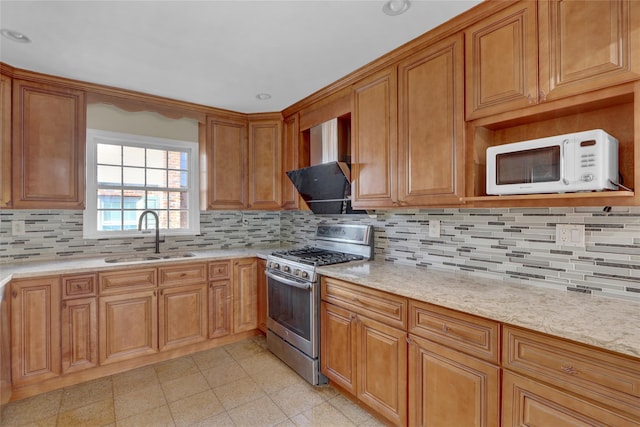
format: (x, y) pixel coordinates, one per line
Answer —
(289, 282)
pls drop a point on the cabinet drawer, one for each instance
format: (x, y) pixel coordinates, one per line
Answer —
(77, 286)
(608, 378)
(219, 270)
(113, 282)
(182, 274)
(464, 332)
(377, 305)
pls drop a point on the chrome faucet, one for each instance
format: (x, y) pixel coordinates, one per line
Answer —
(155, 215)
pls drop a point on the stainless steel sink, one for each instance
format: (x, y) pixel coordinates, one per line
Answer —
(155, 257)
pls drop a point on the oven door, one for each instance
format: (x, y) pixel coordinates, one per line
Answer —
(292, 310)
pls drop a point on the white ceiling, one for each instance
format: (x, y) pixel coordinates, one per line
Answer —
(216, 53)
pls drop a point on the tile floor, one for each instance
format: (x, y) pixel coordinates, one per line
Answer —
(240, 384)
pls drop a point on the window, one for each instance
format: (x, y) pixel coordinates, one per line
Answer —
(127, 174)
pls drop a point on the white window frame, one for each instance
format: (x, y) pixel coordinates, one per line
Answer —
(90, 214)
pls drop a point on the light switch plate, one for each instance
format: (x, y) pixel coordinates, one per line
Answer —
(434, 228)
(570, 235)
(17, 228)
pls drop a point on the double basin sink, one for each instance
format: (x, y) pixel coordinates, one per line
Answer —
(152, 257)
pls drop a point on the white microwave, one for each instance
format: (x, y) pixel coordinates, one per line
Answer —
(581, 161)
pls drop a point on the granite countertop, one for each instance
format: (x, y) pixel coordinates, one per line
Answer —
(95, 264)
(602, 322)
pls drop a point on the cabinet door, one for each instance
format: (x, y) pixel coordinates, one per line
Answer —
(290, 159)
(226, 164)
(5, 140)
(586, 45)
(220, 307)
(262, 296)
(182, 315)
(79, 334)
(35, 330)
(128, 326)
(528, 403)
(245, 295)
(265, 164)
(431, 125)
(382, 369)
(374, 118)
(338, 349)
(48, 146)
(449, 388)
(502, 61)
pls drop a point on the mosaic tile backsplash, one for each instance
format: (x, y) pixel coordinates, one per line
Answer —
(514, 244)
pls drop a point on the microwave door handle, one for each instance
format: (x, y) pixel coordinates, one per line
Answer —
(563, 155)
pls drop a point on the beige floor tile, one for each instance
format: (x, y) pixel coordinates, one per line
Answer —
(195, 408)
(138, 401)
(176, 368)
(32, 409)
(156, 417)
(238, 393)
(180, 388)
(224, 373)
(52, 421)
(372, 422)
(296, 398)
(136, 379)
(276, 378)
(95, 414)
(260, 362)
(220, 420)
(246, 348)
(350, 409)
(211, 358)
(323, 415)
(286, 423)
(86, 393)
(259, 413)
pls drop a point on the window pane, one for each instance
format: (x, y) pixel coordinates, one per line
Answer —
(178, 219)
(109, 220)
(130, 219)
(109, 199)
(109, 175)
(178, 179)
(156, 158)
(178, 160)
(157, 200)
(164, 219)
(178, 200)
(132, 156)
(133, 176)
(156, 178)
(109, 154)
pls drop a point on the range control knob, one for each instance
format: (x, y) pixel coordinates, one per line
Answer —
(286, 269)
(296, 272)
(304, 275)
(275, 266)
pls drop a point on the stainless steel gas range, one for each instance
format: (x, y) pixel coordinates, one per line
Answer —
(293, 294)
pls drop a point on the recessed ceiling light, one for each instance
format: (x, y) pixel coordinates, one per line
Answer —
(396, 7)
(263, 96)
(16, 36)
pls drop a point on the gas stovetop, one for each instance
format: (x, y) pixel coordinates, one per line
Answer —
(316, 256)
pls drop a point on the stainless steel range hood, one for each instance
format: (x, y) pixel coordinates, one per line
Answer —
(325, 187)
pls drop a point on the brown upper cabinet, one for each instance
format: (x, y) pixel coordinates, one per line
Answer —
(290, 160)
(533, 52)
(265, 164)
(5, 140)
(48, 146)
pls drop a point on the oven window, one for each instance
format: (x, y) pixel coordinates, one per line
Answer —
(290, 307)
(528, 166)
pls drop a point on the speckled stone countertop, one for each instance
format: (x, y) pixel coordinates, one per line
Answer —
(607, 323)
(96, 264)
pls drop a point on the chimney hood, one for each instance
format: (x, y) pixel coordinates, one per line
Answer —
(325, 187)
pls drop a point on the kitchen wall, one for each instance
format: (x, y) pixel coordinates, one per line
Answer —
(57, 234)
(505, 244)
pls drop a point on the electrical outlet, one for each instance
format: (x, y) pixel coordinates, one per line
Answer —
(17, 228)
(245, 220)
(570, 235)
(434, 228)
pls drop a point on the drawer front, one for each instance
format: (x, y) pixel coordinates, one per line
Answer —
(219, 270)
(464, 332)
(377, 305)
(125, 280)
(182, 274)
(79, 286)
(609, 378)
